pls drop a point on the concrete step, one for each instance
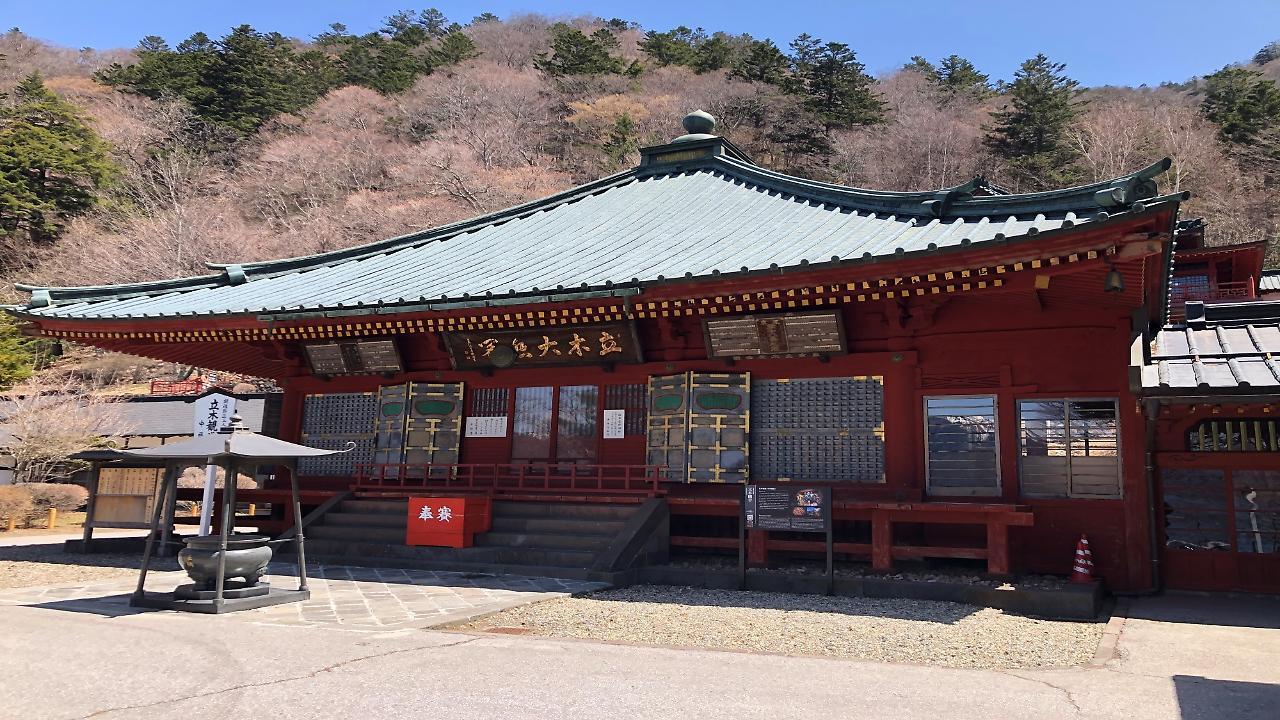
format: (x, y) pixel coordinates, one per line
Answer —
(356, 533)
(563, 510)
(365, 519)
(567, 573)
(548, 541)
(359, 552)
(567, 526)
(382, 507)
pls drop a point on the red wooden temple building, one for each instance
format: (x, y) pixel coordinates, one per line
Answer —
(971, 372)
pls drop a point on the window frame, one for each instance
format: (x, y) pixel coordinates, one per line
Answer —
(1067, 400)
(995, 491)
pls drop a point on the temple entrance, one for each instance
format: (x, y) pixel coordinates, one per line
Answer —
(555, 424)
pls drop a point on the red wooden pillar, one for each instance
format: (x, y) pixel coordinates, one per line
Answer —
(881, 542)
(997, 547)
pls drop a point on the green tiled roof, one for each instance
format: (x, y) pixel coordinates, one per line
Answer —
(696, 208)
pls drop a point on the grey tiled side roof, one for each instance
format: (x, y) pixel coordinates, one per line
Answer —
(1235, 358)
(1270, 281)
(696, 218)
(170, 416)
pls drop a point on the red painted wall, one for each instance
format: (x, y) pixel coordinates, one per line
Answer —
(1069, 340)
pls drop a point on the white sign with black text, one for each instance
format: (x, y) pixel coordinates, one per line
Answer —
(615, 424)
(213, 413)
(487, 427)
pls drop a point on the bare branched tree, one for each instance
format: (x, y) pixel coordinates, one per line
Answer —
(53, 419)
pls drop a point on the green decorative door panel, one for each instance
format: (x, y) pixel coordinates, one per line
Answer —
(389, 425)
(719, 423)
(434, 432)
(668, 424)
(699, 425)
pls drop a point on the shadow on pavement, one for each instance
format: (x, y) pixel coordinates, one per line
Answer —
(1201, 698)
(1209, 609)
(109, 606)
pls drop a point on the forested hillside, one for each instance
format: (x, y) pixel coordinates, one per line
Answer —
(124, 165)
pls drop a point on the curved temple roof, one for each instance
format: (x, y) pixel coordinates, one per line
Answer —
(693, 208)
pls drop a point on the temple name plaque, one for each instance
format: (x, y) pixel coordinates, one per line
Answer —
(569, 345)
(778, 335)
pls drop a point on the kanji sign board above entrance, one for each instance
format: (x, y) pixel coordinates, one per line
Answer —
(353, 357)
(776, 335)
(571, 345)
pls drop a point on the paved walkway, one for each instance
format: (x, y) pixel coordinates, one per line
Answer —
(348, 598)
(1185, 658)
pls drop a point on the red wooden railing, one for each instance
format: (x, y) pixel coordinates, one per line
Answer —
(506, 477)
(1222, 292)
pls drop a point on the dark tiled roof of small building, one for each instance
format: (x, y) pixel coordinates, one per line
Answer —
(1217, 357)
(168, 416)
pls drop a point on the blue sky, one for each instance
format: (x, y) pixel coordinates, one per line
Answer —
(1116, 42)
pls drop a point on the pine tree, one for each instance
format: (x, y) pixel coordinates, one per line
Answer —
(242, 80)
(622, 140)
(763, 62)
(714, 53)
(834, 84)
(573, 53)
(923, 66)
(667, 48)
(19, 354)
(1269, 52)
(957, 77)
(1244, 104)
(52, 164)
(1031, 133)
(454, 48)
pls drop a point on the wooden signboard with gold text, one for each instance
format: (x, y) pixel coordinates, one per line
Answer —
(571, 345)
(776, 335)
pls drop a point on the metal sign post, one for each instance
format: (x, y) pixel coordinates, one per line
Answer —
(212, 413)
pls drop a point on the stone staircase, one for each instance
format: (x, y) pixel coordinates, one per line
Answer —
(554, 539)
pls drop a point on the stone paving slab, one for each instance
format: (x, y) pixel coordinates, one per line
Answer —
(342, 597)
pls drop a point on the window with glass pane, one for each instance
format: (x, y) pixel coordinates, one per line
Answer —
(576, 423)
(961, 449)
(1257, 506)
(1069, 448)
(531, 426)
(1193, 503)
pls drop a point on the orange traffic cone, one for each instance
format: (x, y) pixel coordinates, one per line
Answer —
(1082, 571)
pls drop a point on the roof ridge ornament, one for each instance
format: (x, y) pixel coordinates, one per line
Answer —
(698, 125)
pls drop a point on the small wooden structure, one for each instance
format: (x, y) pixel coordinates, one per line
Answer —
(231, 449)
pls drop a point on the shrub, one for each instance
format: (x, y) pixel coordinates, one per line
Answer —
(15, 502)
(63, 498)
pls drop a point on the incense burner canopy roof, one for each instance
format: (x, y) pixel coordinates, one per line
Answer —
(694, 208)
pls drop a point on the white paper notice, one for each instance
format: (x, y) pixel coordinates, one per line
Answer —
(494, 427)
(615, 423)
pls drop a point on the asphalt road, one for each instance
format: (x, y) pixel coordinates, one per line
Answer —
(58, 662)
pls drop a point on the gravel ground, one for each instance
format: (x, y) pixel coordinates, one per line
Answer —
(27, 565)
(919, 571)
(912, 631)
